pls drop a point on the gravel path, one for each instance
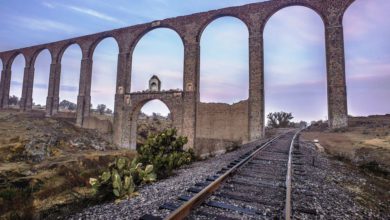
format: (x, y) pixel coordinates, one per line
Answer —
(153, 195)
(326, 188)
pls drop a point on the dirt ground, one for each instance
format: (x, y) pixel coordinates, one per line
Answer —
(46, 163)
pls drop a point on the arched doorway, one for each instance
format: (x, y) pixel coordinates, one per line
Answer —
(149, 118)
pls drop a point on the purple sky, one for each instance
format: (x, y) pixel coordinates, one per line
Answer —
(295, 71)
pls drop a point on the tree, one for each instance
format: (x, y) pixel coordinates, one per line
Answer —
(108, 111)
(13, 100)
(302, 124)
(101, 108)
(279, 119)
(65, 104)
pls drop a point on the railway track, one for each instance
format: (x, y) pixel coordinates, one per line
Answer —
(255, 186)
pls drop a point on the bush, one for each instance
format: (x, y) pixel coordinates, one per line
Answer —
(122, 178)
(165, 151)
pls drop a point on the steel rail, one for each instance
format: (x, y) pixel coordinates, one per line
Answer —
(287, 208)
(185, 209)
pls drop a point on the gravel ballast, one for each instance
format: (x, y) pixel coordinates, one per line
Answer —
(326, 188)
(323, 187)
(153, 195)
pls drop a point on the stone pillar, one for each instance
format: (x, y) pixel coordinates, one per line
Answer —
(256, 86)
(2, 80)
(133, 130)
(122, 120)
(84, 97)
(29, 100)
(191, 91)
(28, 81)
(6, 84)
(337, 91)
(52, 100)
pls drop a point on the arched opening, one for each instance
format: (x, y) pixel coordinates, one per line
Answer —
(41, 80)
(2, 68)
(222, 114)
(160, 52)
(295, 64)
(367, 52)
(224, 66)
(153, 117)
(105, 59)
(70, 76)
(17, 73)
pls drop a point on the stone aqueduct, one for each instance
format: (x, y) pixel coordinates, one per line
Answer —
(184, 105)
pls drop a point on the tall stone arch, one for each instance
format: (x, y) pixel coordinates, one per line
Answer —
(58, 50)
(1, 80)
(7, 73)
(212, 129)
(85, 84)
(27, 94)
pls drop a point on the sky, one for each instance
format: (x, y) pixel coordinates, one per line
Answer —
(295, 65)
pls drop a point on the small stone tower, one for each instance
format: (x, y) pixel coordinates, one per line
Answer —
(154, 84)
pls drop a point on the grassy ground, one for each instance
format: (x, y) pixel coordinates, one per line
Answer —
(54, 177)
(365, 143)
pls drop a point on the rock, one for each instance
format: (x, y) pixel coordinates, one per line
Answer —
(87, 143)
(17, 148)
(36, 150)
(97, 146)
(14, 139)
(53, 141)
(78, 143)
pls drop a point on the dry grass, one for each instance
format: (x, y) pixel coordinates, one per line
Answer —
(352, 144)
(364, 144)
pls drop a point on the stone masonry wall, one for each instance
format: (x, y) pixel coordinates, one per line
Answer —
(223, 121)
(220, 126)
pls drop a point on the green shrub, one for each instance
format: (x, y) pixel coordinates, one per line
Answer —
(165, 151)
(9, 193)
(122, 178)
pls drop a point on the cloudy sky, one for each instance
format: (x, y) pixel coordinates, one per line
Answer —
(295, 70)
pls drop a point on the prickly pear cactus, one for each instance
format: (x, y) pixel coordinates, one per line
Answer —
(165, 151)
(123, 177)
